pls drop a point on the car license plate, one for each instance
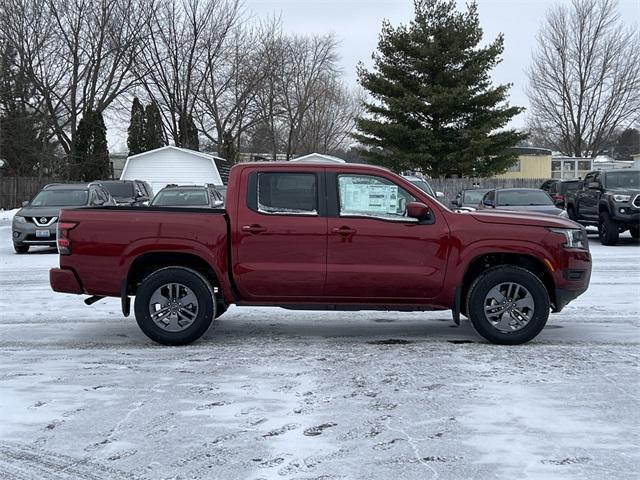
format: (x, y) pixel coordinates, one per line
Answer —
(43, 233)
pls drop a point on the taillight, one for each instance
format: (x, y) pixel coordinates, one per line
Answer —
(64, 244)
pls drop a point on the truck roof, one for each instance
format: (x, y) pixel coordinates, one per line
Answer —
(308, 165)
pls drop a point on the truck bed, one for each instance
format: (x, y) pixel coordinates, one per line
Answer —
(107, 240)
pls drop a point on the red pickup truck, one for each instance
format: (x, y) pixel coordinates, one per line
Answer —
(323, 236)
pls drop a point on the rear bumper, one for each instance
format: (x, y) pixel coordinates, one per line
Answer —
(65, 280)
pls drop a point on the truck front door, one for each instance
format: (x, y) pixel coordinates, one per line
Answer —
(281, 235)
(375, 252)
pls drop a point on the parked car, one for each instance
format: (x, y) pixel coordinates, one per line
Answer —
(198, 196)
(532, 200)
(127, 192)
(558, 190)
(469, 199)
(547, 184)
(423, 184)
(318, 236)
(35, 223)
(610, 200)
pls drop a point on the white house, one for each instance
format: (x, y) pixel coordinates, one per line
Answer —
(171, 164)
(318, 157)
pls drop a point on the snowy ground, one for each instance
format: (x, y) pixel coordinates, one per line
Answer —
(273, 394)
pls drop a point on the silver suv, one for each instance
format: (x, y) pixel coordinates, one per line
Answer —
(36, 222)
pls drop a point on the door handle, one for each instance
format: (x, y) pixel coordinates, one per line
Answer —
(254, 228)
(344, 230)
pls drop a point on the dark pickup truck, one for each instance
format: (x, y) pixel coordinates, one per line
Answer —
(610, 200)
(323, 236)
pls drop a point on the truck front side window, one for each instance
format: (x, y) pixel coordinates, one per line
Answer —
(366, 195)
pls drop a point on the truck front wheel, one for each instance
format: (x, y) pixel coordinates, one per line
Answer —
(508, 305)
(175, 306)
(608, 230)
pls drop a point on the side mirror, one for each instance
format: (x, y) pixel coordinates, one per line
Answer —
(98, 202)
(439, 195)
(417, 210)
(455, 203)
(593, 186)
(25, 203)
(488, 203)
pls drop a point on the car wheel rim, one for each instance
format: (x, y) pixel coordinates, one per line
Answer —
(173, 307)
(509, 307)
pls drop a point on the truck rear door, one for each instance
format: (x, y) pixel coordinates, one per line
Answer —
(281, 234)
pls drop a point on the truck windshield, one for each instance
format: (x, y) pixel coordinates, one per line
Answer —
(119, 189)
(628, 179)
(192, 197)
(523, 197)
(60, 198)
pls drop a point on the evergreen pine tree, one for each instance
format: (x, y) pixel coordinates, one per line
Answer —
(23, 141)
(92, 155)
(135, 138)
(153, 129)
(188, 133)
(434, 107)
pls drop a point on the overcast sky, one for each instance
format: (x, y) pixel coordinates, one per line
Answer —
(357, 23)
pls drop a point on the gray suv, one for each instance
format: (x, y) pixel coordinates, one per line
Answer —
(36, 222)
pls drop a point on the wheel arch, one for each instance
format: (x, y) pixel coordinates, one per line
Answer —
(483, 262)
(150, 262)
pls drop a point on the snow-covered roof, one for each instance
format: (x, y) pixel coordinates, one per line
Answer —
(179, 149)
(319, 157)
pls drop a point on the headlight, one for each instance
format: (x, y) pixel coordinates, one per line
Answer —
(575, 238)
(19, 219)
(621, 198)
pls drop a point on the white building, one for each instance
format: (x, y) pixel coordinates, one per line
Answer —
(171, 164)
(318, 157)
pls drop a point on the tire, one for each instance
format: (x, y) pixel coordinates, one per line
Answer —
(175, 323)
(508, 323)
(21, 248)
(571, 212)
(608, 230)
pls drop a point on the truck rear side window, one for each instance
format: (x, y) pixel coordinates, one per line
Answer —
(287, 193)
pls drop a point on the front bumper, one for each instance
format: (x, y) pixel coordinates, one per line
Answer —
(25, 234)
(626, 215)
(65, 280)
(565, 295)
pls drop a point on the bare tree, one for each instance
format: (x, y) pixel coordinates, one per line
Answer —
(584, 78)
(330, 120)
(184, 37)
(309, 61)
(78, 54)
(227, 105)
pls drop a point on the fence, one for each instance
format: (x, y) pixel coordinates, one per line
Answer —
(15, 190)
(451, 186)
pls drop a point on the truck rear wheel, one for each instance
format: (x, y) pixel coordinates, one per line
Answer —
(508, 305)
(175, 306)
(608, 230)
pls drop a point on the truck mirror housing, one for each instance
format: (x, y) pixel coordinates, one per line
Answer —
(487, 203)
(25, 203)
(417, 210)
(593, 186)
